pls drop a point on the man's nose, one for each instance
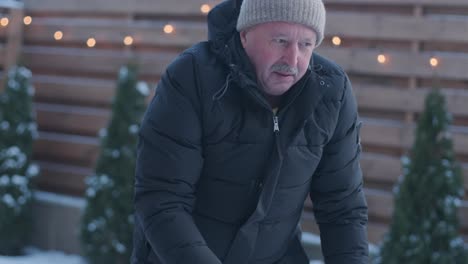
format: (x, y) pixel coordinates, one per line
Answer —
(291, 55)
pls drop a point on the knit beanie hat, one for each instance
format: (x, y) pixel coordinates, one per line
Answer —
(310, 13)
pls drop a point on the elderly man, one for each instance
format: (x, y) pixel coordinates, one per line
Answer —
(243, 127)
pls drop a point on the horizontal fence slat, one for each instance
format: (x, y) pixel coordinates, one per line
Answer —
(71, 119)
(395, 99)
(90, 61)
(394, 27)
(400, 64)
(84, 61)
(62, 178)
(386, 169)
(90, 7)
(396, 134)
(381, 205)
(3, 32)
(74, 90)
(458, 3)
(385, 133)
(380, 168)
(80, 6)
(110, 31)
(64, 148)
(173, 7)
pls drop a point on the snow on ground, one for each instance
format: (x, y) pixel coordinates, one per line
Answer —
(34, 256)
(56, 258)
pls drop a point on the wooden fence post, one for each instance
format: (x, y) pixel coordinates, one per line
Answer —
(14, 36)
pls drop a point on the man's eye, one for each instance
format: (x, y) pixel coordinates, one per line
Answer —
(281, 41)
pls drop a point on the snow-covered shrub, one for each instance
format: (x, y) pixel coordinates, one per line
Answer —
(425, 225)
(18, 130)
(107, 225)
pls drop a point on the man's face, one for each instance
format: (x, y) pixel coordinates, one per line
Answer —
(280, 53)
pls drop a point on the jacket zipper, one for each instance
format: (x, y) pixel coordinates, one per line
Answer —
(276, 132)
(275, 124)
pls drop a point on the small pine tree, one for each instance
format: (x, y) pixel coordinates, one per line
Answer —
(18, 129)
(107, 224)
(425, 226)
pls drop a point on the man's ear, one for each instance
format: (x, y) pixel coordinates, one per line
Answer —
(243, 37)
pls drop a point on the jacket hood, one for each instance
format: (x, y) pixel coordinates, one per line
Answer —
(222, 20)
(222, 32)
(226, 44)
(223, 35)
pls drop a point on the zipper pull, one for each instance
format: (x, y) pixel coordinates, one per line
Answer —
(275, 124)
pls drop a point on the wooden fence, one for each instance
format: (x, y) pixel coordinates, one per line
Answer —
(75, 83)
(11, 17)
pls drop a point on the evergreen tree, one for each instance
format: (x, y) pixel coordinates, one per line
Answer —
(107, 224)
(425, 226)
(17, 132)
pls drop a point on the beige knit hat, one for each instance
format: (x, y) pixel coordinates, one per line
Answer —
(310, 13)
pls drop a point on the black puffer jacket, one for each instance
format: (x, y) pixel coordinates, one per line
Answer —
(222, 179)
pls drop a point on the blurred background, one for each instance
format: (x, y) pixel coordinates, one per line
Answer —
(393, 51)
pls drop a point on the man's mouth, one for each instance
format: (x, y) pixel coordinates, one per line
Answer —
(285, 74)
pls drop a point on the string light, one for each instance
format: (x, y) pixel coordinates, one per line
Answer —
(168, 29)
(27, 20)
(91, 42)
(128, 40)
(434, 62)
(58, 35)
(205, 8)
(381, 58)
(336, 41)
(4, 21)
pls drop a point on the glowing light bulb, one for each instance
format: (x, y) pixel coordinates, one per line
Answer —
(434, 62)
(336, 41)
(58, 35)
(4, 21)
(205, 8)
(382, 59)
(128, 40)
(168, 29)
(27, 20)
(91, 42)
